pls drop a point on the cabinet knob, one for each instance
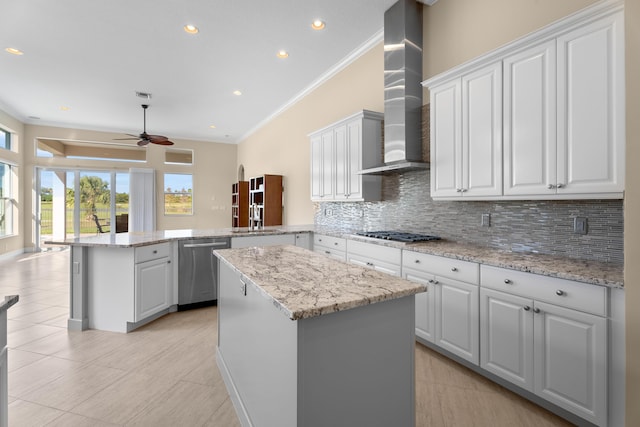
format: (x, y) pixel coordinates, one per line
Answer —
(526, 308)
(155, 252)
(464, 190)
(319, 240)
(507, 281)
(560, 185)
(169, 262)
(536, 310)
(551, 186)
(559, 292)
(327, 252)
(433, 282)
(335, 243)
(417, 261)
(370, 264)
(454, 268)
(458, 190)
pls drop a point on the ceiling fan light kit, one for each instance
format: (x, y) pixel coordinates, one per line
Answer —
(144, 138)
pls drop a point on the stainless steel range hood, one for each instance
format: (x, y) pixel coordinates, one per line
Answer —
(402, 89)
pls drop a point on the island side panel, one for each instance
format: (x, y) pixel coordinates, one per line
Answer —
(356, 367)
(256, 354)
(78, 310)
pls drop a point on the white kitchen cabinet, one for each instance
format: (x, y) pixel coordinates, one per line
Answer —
(562, 127)
(303, 240)
(466, 135)
(448, 315)
(342, 149)
(153, 288)
(263, 240)
(334, 247)
(556, 350)
(380, 258)
(564, 113)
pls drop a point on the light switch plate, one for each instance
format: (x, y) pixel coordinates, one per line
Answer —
(580, 225)
(486, 220)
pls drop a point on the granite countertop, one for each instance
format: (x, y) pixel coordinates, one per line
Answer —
(134, 239)
(8, 302)
(304, 284)
(587, 271)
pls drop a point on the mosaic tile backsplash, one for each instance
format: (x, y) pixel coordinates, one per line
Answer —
(539, 226)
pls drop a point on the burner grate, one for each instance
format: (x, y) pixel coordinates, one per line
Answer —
(398, 236)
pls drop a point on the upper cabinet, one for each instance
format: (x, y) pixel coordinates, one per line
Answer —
(541, 118)
(339, 151)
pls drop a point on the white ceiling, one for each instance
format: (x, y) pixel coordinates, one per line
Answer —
(92, 56)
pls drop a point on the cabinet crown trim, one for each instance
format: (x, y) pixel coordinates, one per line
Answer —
(365, 114)
(546, 33)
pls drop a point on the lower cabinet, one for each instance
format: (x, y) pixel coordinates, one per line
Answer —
(152, 287)
(303, 240)
(558, 353)
(4, 376)
(380, 258)
(334, 247)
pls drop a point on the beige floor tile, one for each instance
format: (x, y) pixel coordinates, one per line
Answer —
(73, 387)
(135, 353)
(225, 416)
(18, 358)
(30, 334)
(60, 321)
(27, 414)
(184, 404)
(15, 325)
(43, 315)
(125, 398)
(74, 420)
(35, 375)
(22, 308)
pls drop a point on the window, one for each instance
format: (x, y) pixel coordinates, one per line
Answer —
(6, 201)
(5, 139)
(90, 150)
(178, 157)
(178, 194)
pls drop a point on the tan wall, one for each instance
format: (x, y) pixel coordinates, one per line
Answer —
(214, 170)
(282, 146)
(14, 157)
(632, 213)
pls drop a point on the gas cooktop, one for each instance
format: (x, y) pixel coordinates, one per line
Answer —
(398, 236)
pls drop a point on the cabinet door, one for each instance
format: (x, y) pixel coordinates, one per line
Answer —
(317, 168)
(327, 189)
(446, 141)
(591, 110)
(530, 121)
(341, 163)
(152, 287)
(354, 164)
(457, 318)
(425, 304)
(570, 354)
(506, 337)
(303, 240)
(482, 132)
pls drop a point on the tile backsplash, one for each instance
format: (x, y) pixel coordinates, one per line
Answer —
(540, 226)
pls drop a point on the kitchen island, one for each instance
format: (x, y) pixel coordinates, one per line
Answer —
(307, 340)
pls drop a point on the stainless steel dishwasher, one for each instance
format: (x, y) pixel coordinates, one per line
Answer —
(198, 272)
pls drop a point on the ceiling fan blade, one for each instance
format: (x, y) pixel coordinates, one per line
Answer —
(159, 139)
(143, 142)
(163, 142)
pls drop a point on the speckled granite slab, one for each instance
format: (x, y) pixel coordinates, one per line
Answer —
(592, 272)
(9, 301)
(303, 284)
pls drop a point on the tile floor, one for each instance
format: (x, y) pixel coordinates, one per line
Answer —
(164, 374)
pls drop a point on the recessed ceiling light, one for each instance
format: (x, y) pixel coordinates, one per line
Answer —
(191, 29)
(212, 126)
(14, 51)
(237, 92)
(318, 24)
(282, 54)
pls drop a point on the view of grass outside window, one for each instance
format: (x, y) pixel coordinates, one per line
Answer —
(5, 139)
(95, 199)
(178, 194)
(6, 201)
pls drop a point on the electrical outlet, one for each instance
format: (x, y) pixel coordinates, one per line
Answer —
(580, 225)
(486, 220)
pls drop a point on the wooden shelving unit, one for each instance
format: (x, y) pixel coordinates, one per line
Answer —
(265, 197)
(240, 204)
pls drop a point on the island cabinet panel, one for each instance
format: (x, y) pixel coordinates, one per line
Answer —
(4, 376)
(328, 370)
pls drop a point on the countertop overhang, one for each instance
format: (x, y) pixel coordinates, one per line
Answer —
(303, 284)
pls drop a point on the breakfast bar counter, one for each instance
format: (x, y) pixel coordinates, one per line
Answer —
(299, 339)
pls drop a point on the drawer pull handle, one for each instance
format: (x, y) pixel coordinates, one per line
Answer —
(370, 264)
(417, 261)
(536, 310)
(335, 243)
(454, 269)
(526, 308)
(559, 292)
(155, 252)
(507, 281)
(327, 252)
(243, 288)
(433, 282)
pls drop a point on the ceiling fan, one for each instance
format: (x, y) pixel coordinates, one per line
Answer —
(144, 138)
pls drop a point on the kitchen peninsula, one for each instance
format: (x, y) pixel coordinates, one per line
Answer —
(300, 339)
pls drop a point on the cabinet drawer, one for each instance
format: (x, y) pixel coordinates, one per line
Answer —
(148, 253)
(391, 268)
(378, 252)
(462, 271)
(330, 252)
(337, 243)
(561, 292)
